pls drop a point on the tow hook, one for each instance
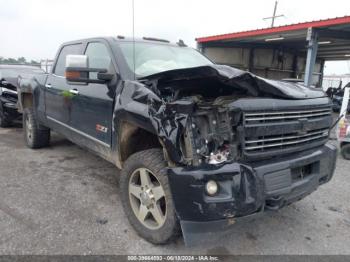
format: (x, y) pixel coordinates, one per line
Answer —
(274, 203)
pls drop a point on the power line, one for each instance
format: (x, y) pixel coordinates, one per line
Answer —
(274, 16)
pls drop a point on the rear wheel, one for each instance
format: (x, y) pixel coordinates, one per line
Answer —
(146, 197)
(35, 135)
(345, 151)
(4, 122)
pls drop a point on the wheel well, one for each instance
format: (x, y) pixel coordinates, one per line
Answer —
(26, 100)
(134, 139)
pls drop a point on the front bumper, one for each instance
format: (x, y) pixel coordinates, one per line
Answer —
(10, 110)
(247, 188)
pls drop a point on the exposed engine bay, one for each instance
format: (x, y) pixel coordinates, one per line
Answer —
(210, 137)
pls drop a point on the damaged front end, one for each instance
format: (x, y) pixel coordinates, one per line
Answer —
(194, 112)
(210, 136)
(8, 100)
(262, 142)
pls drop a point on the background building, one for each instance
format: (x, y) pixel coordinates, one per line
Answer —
(290, 51)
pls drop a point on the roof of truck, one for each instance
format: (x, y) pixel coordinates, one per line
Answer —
(128, 39)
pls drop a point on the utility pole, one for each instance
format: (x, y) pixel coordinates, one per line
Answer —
(274, 16)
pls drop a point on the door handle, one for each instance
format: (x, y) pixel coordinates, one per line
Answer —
(48, 85)
(74, 92)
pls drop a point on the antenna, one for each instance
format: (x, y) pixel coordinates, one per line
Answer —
(133, 36)
(274, 16)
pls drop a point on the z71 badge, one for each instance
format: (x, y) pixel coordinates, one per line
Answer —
(100, 128)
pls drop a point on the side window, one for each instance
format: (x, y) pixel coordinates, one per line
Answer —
(98, 57)
(61, 61)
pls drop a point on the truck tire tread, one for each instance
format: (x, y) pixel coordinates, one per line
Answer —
(40, 134)
(3, 121)
(152, 159)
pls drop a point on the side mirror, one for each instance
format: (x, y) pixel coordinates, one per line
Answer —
(77, 71)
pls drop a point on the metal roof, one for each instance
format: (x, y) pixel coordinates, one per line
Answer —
(334, 37)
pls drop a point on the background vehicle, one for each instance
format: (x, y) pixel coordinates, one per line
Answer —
(199, 144)
(8, 90)
(337, 98)
(344, 126)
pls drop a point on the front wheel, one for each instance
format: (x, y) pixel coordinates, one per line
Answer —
(35, 135)
(146, 197)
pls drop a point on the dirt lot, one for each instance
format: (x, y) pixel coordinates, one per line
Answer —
(64, 200)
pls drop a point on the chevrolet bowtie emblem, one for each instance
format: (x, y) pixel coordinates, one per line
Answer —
(303, 126)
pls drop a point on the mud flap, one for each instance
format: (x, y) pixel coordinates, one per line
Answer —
(199, 233)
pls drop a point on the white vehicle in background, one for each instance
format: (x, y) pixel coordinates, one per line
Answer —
(344, 125)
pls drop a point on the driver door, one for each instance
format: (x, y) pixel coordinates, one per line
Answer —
(92, 107)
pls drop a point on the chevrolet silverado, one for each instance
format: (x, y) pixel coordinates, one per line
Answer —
(199, 145)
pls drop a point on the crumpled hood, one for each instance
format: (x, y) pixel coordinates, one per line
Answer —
(243, 80)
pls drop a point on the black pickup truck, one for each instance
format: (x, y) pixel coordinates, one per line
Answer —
(9, 75)
(199, 145)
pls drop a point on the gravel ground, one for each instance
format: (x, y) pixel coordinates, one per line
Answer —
(64, 200)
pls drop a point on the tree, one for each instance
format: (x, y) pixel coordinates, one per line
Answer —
(33, 62)
(21, 60)
(10, 61)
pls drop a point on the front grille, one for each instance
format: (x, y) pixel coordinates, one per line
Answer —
(284, 141)
(278, 132)
(268, 117)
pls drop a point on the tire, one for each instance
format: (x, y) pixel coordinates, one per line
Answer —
(151, 161)
(3, 121)
(35, 135)
(345, 151)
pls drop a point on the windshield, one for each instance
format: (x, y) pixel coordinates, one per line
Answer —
(153, 58)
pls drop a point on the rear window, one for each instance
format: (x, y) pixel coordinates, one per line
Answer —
(61, 61)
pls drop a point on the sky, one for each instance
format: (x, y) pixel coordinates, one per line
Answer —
(35, 28)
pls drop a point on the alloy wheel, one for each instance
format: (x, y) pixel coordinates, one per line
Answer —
(147, 198)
